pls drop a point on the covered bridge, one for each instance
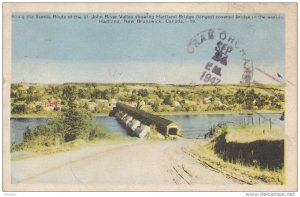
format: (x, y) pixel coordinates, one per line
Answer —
(164, 126)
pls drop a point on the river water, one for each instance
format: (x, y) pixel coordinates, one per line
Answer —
(192, 126)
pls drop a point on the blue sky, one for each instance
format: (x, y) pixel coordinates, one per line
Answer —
(57, 51)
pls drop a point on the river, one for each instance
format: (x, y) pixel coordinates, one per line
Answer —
(192, 126)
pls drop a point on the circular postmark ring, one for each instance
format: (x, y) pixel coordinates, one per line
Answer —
(225, 45)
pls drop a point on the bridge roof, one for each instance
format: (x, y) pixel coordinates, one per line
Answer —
(145, 115)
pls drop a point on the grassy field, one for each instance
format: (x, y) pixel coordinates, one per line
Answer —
(250, 133)
(37, 151)
(254, 151)
(207, 155)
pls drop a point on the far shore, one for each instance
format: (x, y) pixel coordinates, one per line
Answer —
(216, 112)
(162, 113)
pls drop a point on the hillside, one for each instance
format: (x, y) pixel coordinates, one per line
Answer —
(43, 99)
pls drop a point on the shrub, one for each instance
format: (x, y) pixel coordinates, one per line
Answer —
(74, 123)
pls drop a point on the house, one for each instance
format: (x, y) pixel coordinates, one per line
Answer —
(268, 103)
(177, 104)
(207, 100)
(113, 103)
(50, 86)
(132, 103)
(50, 105)
(199, 103)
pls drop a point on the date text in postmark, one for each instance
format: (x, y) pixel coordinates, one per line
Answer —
(225, 45)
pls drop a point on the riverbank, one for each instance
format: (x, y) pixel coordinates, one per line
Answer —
(216, 112)
(179, 113)
(48, 115)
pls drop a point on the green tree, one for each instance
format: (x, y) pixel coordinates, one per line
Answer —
(70, 95)
(140, 103)
(280, 97)
(97, 94)
(76, 120)
(102, 108)
(160, 93)
(106, 94)
(156, 105)
(38, 108)
(250, 99)
(114, 91)
(134, 97)
(19, 108)
(83, 93)
(126, 90)
(169, 100)
(259, 101)
(76, 123)
(143, 92)
(239, 96)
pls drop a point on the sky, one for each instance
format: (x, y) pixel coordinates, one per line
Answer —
(62, 50)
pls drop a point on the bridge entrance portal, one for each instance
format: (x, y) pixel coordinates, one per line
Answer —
(173, 131)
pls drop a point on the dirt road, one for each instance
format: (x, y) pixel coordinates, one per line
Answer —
(136, 162)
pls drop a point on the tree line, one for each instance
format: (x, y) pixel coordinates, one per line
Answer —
(98, 98)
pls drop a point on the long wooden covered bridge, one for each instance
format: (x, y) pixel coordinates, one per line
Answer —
(164, 126)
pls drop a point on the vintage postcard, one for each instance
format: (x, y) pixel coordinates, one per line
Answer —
(150, 97)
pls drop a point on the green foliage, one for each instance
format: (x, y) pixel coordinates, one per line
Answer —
(19, 108)
(38, 108)
(119, 114)
(215, 106)
(70, 94)
(166, 108)
(143, 92)
(83, 93)
(29, 98)
(169, 100)
(140, 103)
(102, 108)
(156, 106)
(154, 134)
(114, 91)
(74, 123)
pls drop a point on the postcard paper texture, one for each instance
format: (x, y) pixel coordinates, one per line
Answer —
(149, 97)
